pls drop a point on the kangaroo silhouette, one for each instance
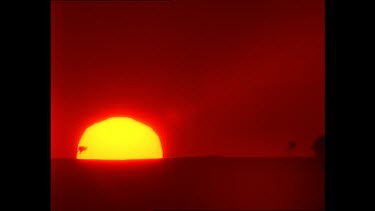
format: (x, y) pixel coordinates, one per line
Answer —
(318, 147)
(291, 146)
(81, 149)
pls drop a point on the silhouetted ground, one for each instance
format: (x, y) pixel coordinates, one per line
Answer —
(188, 183)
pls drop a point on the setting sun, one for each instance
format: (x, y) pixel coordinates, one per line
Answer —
(119, 138)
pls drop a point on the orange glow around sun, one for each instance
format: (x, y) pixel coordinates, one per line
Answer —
(119, 138)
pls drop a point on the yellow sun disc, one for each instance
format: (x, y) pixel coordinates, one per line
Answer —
(119, 138)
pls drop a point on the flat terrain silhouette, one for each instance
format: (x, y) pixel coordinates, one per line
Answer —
(195, 183)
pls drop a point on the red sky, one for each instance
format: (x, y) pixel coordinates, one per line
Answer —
(231, 78)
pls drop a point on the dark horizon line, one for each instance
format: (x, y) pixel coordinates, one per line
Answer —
(203, 156)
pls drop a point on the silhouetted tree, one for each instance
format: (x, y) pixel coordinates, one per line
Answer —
(291, 146)
(81, 149)
(319, 147)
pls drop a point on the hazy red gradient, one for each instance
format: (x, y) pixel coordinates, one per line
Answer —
(232, 78)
